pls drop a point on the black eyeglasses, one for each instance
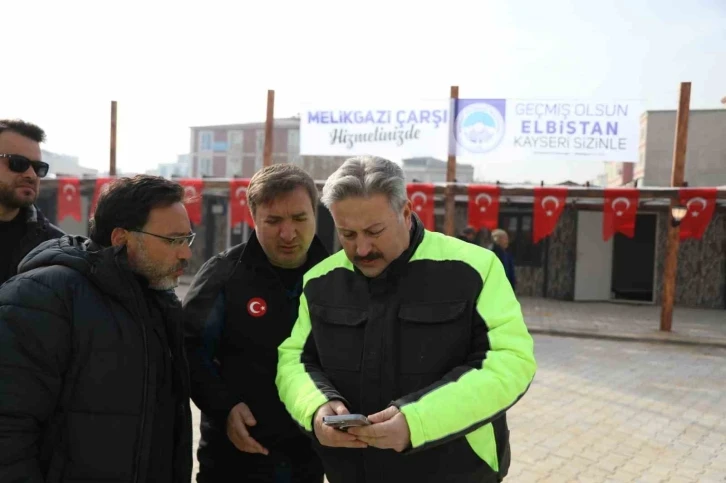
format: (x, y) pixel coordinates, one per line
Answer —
(20, 164)
(175, 241)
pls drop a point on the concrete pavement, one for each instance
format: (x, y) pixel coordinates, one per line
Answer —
(622, 321)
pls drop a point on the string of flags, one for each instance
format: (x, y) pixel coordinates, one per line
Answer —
(620, 206)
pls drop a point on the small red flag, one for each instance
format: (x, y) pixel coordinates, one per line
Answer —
(549, 202)
(701, 203)
(239, 210)
(193, 198)
(483, 206)
(422, 200)
(619, 211)
(69, 198)
(101, 186)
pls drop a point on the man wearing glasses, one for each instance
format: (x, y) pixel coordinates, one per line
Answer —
(94, 383)
(22, 225)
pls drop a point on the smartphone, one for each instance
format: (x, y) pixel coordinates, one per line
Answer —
(345, 421)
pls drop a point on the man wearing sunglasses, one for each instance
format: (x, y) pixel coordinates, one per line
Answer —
(94, 383)
(22, 225)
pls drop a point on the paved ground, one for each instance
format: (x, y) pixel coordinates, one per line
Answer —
(602, 411)
(605, 411)
(624, 321)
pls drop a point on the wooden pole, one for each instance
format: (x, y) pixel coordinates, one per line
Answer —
(112, 161)
(677, 175)
(450, 205)
(269, 121)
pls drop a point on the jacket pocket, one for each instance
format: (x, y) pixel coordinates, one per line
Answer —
(339, 334)
(434, 337)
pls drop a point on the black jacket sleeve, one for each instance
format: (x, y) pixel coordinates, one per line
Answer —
(203, 323)
(35, 345)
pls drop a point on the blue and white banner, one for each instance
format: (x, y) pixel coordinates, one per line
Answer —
(481, 130)
(551, 130)
(410, 129)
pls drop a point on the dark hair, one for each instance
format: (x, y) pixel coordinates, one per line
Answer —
(25, 129)
(127, 203)
(273, 181)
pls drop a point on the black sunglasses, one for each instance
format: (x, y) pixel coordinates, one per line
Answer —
(20, 164)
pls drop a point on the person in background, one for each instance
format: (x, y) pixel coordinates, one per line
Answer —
(500, 244)
(240, 307)
(22, 225)
(468, 234)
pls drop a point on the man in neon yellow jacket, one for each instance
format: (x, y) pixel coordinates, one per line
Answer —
(419, 331)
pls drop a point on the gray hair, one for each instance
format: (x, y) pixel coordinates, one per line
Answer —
(498, 233)
(364, 176)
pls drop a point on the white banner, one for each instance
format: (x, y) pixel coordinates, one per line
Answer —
(410, 129)
(483, 130)
(547, 130)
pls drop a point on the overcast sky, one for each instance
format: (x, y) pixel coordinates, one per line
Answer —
(172, 65)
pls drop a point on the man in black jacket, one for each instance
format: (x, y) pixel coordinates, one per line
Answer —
(93, 375)
(241, 305)
(22, 225)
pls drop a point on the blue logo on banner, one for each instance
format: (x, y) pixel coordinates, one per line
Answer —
(480, 125)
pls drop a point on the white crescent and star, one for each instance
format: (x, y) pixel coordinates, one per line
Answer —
(242, 199)
(190, 191)
(616, 201)
(697, 199)
(419, 194)
(550, 198)
(485, 196)
(256, 307)
(69, 187)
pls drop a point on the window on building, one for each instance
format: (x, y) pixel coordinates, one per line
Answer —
(293, 145)
(519, 228)
(234, 166)
(205, 167)
(236, 139)
(206, 140)
(259, 149)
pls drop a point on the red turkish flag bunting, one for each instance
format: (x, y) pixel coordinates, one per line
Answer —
(238, 208)
(483, 206)
(549, 202)
(422, 200)
(619, 210)
(193, 198)
(69, 198)
(701, 203)
(101, 186)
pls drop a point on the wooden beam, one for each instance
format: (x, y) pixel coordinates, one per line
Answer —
(677, 175)
(269, 122)
(112, 160)
(449, 203)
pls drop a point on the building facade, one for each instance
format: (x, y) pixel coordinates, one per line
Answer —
(226, 151)
(705, 153)
(432, 170)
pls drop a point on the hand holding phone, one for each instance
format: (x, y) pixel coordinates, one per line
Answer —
(345, 421)
(331, 436)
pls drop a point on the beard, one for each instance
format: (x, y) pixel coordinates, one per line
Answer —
(10, 199)
(160, 277)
